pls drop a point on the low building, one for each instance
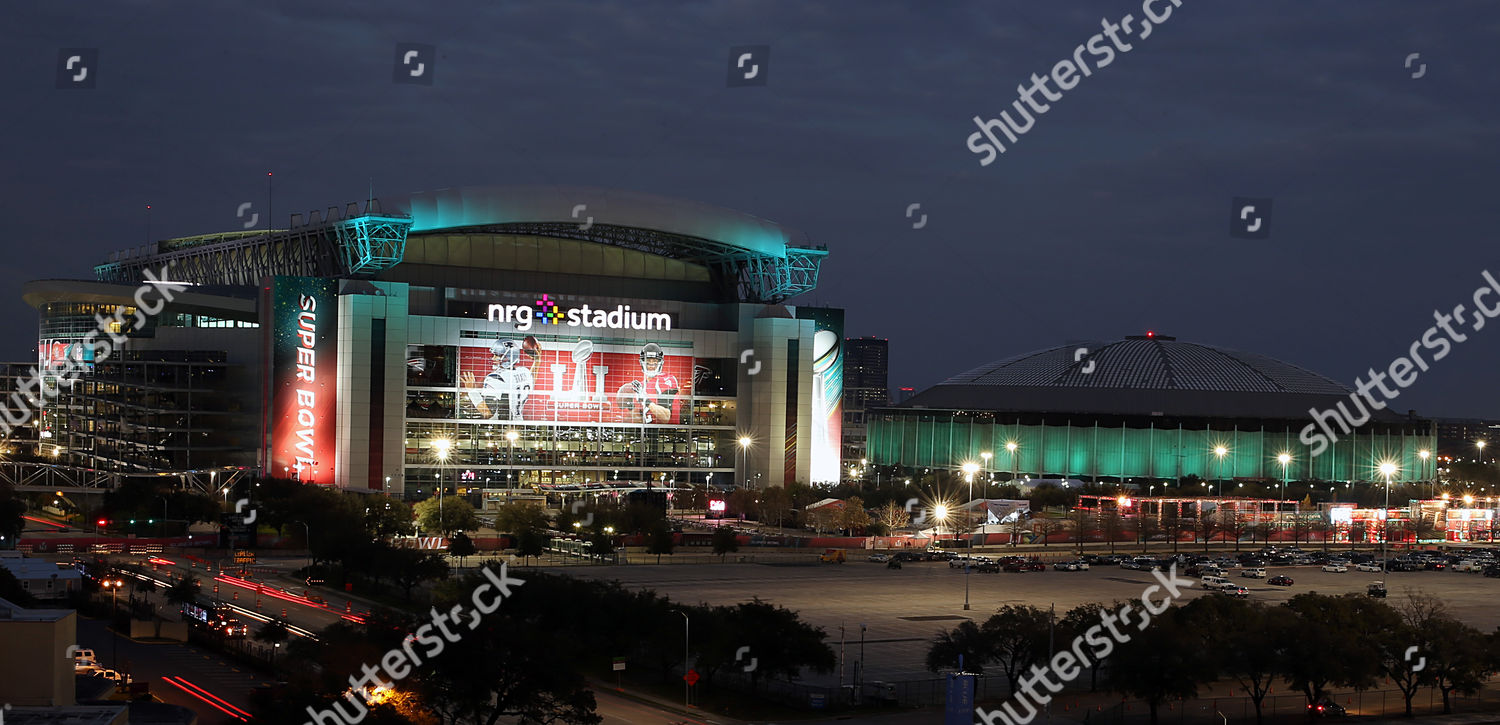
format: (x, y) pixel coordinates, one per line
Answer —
(41, 578)
(36, 670)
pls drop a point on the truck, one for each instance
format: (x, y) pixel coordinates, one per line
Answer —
(832, 556)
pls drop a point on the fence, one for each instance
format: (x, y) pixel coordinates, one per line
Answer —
(1373, 703)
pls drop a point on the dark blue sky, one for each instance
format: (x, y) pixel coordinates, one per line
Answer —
(1111, 216)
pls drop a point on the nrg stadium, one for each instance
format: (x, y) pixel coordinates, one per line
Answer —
(494, 340)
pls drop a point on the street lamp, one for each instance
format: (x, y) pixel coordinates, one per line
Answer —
(510, 454)
(970, 469)
(986, 455)
(1220, 451)
(440, 447)
(1283, 459)
(1386, 469)
(1481, 450)
(1010, 446)
(1431, 484)
(744, 452)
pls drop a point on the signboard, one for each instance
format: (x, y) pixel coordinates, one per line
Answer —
(619, 664)
(826, 444)
(244, 557)
(817, 700)
(959, 708)
(546, 311)
(520, 378)
(304, 368)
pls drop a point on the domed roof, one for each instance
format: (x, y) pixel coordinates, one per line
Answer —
(1139, 375)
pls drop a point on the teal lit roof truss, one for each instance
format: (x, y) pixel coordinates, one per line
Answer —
(372, 243)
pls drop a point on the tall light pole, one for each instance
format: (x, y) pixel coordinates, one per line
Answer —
(969, 469)
(986, 455)
(687, 687)
(1010, 446)
(441, 447)
(1481, 450)
(1431, 482)
(1386, 469)
(1283, 459)
(744, 452)
(1220, 451)
(510, 454)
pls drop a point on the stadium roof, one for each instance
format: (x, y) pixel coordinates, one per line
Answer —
(1140, 375)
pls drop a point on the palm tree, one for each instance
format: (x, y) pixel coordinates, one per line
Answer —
(273, 633)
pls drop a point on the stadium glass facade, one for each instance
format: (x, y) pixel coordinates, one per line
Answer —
(1153, 448)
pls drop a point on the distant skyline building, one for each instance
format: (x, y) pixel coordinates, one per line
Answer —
(866, 385)
(1458, 438)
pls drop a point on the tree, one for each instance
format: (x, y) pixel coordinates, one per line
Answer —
(388, 517)
(1333, 640)
(1046, 526)
(1174, 523)
(530, 542)
(852, 516)
(462, 547)
(446, 515)
(823, 518)
(1082, 524)
(1048, 495)
(725, 541)
(274, 633)
(659, 541)
(1111, 524)
(1164, 661)
(517, 517)
(183, 591)
(410, 567)
(773, 504)
(1248, 642)
(1018, 639)
(1418, 614)
(966, 640)
(892, 516)
(1207, 525)
(11, 510)
(1075, 624)
(1462, 658)
(783, 644)
(1231, 522)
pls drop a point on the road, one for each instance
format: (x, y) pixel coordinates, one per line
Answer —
(151, 662)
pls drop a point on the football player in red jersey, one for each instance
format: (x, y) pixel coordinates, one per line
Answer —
(655, 396)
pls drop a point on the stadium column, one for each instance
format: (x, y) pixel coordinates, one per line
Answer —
(778, 400)
(372, 381)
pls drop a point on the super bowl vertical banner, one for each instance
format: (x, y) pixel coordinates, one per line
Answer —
(828, 392)
(304, 369)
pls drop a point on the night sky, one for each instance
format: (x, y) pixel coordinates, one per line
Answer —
(1111, 216)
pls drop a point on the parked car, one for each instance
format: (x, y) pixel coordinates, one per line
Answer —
(1065, 566)
(1492, 570)
(1280, 581)
(987, 566)
(1376, 589)
(1368, 566)
(1256, 573)
(1325, 707)
(1335, 567)
(880, 558)
(1082, 565)
(1235, 590)
(1129, 564)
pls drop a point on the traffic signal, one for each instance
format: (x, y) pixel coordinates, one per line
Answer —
(103, 522)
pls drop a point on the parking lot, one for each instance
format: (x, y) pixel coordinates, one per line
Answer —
(903, 608)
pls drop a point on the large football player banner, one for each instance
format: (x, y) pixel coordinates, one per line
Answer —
(519, 379)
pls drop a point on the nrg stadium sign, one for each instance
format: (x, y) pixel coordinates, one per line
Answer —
(546, 311)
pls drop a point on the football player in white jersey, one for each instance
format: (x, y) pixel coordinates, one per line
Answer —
(506, 388)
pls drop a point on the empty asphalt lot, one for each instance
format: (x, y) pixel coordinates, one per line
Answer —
(904, 608)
